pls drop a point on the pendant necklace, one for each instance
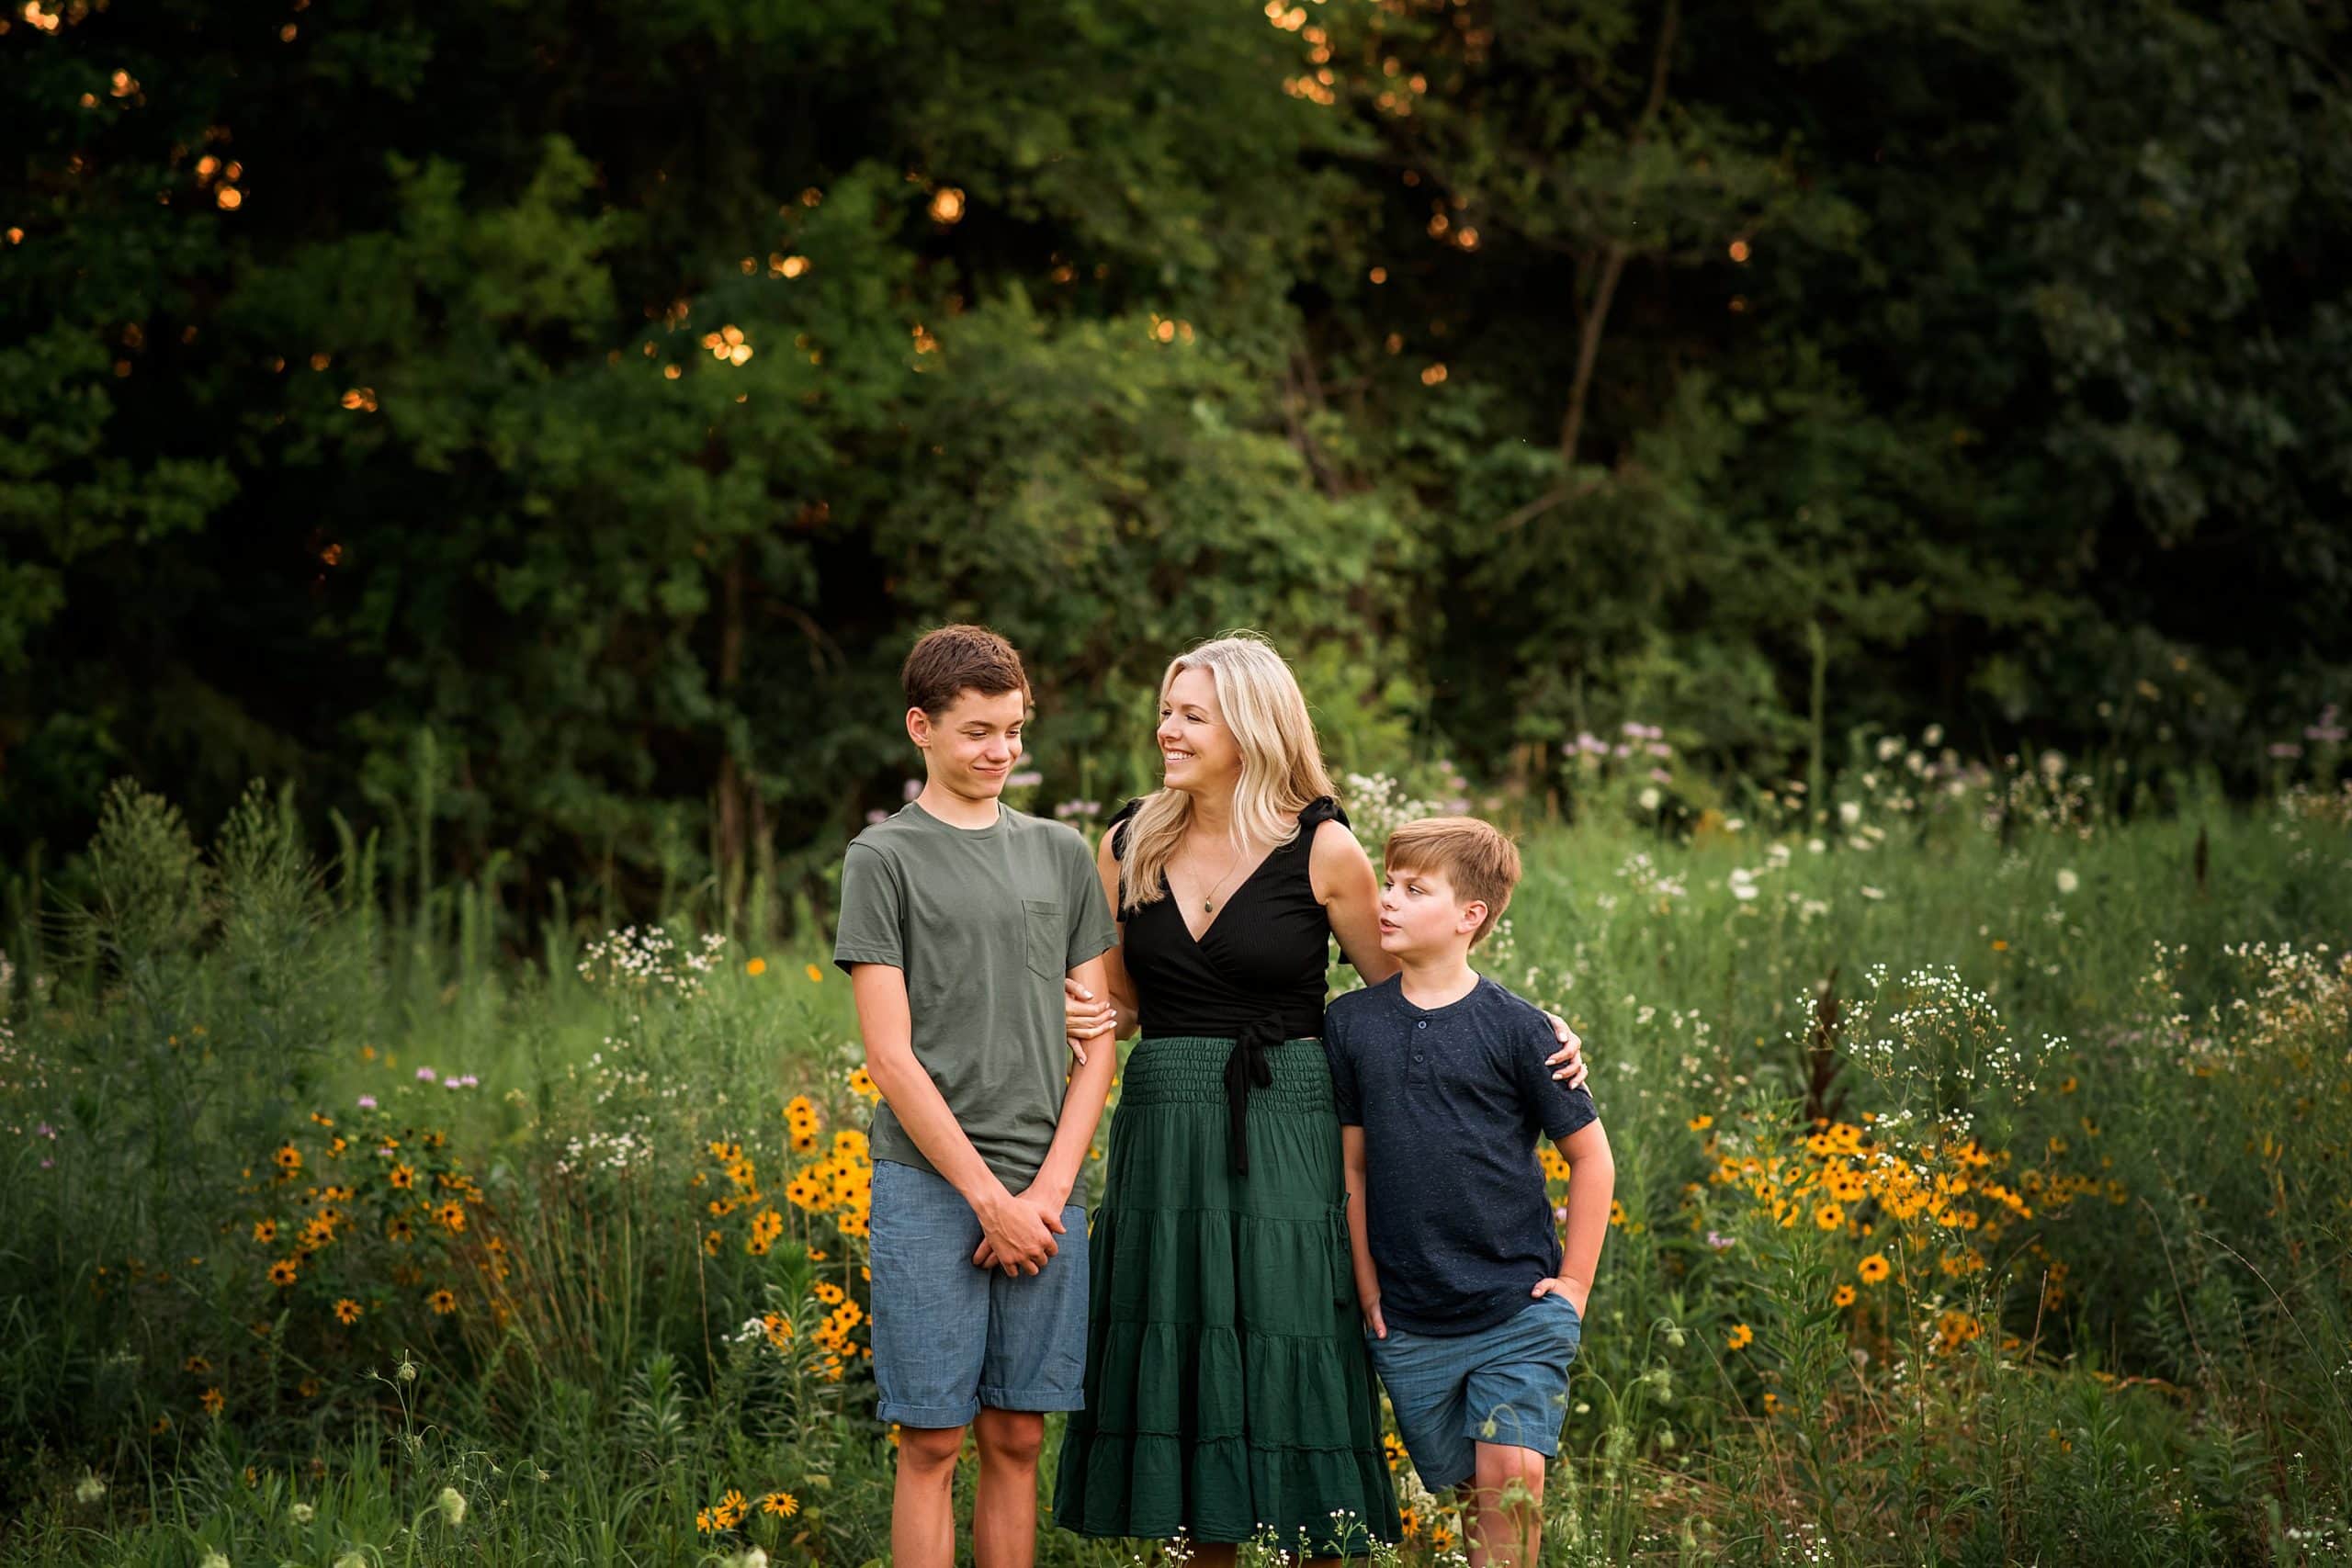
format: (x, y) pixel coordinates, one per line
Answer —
(1208, 903)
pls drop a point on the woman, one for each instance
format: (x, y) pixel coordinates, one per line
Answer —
(1228, 1387)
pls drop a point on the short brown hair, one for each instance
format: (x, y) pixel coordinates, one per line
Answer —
(954, 659)
(1476, 857)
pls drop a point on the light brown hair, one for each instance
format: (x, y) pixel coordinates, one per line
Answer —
(954, 659)
(1476, 858)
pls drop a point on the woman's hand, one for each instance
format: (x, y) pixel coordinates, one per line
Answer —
(1571, 1053)
(1085, 1019)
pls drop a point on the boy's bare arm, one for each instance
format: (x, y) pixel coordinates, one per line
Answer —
(1351, 1160)
(1104, 1010)
(1019, 1237)
(1592, 1183)
(1082, 1103)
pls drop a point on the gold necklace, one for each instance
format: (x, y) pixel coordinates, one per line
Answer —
(1208, 903)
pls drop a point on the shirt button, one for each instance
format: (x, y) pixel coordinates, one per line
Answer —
(1417, 1055)
(1423, 1024)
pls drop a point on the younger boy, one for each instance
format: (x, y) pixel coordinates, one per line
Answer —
(1473, 1308)
(960, 921)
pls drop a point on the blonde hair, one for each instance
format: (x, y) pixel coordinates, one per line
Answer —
(1281, 766)
(1476, 858)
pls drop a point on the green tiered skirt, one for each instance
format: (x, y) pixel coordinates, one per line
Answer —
(1228, 1385)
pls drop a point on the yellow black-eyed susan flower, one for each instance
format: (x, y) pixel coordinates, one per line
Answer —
(1740, 1337)
(782, 1505)
(265, 1231)
(402, 1178)
(283, 1272)
(211, 1401)
(1874, 1268)
(441, 1302)
(347, 1312)
(1842, 1296)
(288, 1158)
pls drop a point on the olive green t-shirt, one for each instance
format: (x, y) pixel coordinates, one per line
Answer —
(984, 922)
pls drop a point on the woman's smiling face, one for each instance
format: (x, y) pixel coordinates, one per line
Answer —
(1197, 752)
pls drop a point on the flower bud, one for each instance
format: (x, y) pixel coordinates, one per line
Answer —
(452, 1504)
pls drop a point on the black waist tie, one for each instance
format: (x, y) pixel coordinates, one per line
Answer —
(1247, 1066)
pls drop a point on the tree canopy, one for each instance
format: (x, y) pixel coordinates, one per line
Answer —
(611, 392)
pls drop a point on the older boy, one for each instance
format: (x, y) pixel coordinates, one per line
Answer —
(960, 921)
(1473, 1307)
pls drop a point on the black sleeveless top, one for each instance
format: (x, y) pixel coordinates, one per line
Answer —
(1260, 964)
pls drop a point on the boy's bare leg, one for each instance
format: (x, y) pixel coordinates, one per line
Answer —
(1504, 1532)
(923, 1504)
(1004, 1509)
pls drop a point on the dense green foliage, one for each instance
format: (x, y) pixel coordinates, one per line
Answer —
(376, 371)
(2084, 1300)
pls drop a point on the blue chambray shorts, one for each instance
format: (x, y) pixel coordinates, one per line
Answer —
(1508, 1384)
(949, 1337)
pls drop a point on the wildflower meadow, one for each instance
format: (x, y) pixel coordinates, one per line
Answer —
(1981, 1133)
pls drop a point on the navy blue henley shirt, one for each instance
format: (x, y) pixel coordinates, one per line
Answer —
(1452, 1100)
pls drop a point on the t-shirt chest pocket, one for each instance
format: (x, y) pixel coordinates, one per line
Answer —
(1043, 916)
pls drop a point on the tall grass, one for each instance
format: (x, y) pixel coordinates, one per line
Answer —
(1981, 1140)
